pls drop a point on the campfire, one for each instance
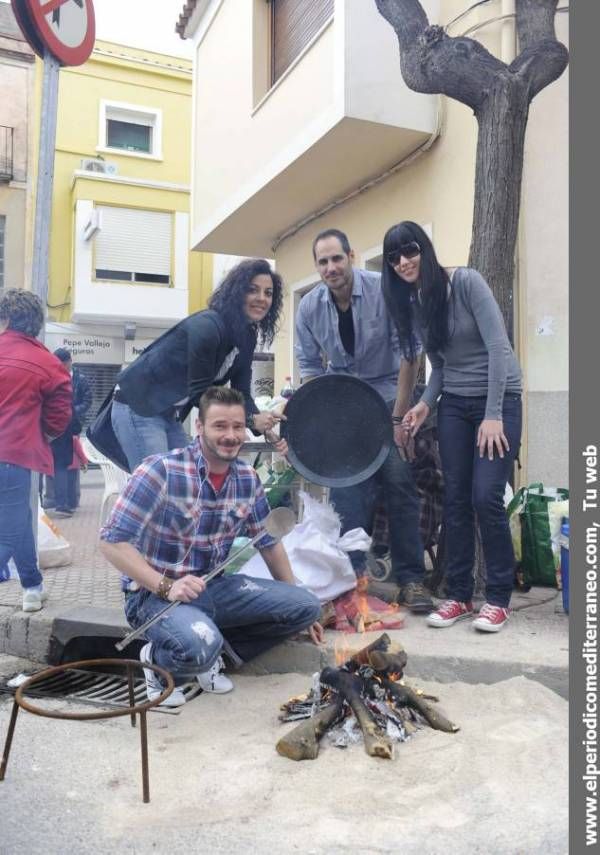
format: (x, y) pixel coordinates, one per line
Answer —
(366, 691)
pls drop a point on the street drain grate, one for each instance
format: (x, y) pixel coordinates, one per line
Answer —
(92, 687)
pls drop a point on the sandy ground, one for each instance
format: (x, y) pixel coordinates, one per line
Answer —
(218, 786)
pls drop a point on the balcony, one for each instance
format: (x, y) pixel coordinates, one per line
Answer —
(6, 153)
(337, 118)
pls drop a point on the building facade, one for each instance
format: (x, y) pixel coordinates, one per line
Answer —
(121, 271)
(17, 73)
(308, 124)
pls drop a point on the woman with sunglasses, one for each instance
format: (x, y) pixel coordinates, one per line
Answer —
(209, 348)
(476, 373)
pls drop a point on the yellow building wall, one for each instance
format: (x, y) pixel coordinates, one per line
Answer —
(143, 79)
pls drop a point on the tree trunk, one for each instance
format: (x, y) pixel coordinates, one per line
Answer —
(502, 120)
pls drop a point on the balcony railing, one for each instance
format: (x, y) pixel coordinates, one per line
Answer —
(6, 153)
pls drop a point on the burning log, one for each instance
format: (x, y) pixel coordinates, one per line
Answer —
(405, 696)
(361, 657)
(302, 743)
(365, 685)
(377, 743)
(388, 663)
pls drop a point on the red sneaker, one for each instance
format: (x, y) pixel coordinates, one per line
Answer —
(491, 618)
(449, 612)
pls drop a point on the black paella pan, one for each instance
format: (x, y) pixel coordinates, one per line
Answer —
(338, 429)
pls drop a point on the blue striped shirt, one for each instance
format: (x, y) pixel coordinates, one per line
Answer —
(172, 514)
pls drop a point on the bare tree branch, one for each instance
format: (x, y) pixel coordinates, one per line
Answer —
(408, 19)
(462, 69)
(434, 63)
(535, 22)
(540, 65)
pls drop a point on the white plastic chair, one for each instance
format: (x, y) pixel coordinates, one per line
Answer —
(114, 478)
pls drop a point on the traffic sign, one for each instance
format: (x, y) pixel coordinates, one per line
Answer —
(66, 28)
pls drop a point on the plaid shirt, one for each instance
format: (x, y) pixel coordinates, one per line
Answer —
(172, 514)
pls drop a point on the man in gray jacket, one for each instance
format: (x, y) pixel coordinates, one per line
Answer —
(345, 320)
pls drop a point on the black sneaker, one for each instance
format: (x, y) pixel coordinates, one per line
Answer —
(416, 597)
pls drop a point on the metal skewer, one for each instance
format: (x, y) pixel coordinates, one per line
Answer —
(278, 523)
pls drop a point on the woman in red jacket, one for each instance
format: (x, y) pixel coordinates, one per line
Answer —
(35, 407)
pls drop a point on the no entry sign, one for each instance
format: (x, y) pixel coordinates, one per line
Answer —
(66, 28)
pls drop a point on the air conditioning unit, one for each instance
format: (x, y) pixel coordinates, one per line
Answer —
(94, 164)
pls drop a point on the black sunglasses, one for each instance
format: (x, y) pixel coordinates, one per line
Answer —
(407, 250)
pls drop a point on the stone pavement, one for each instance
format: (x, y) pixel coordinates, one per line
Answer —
(85, 599)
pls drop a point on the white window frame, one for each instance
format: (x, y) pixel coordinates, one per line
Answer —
(135, 114)
(99, 212)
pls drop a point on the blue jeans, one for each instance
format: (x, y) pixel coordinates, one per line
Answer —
(248, 615)
(64, 492)
(141, 436)
(476, 484)
(16, 530)
(356, 506)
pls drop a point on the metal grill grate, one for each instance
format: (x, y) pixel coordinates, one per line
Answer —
(94, 688)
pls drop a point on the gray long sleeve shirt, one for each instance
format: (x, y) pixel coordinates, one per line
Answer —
(478, 359)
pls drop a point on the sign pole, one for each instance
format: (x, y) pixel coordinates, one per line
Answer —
(43, 216)
(45, 178)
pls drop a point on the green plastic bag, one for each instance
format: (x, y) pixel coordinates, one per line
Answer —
(537, 558)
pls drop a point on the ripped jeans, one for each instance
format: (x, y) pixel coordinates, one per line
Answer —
(237, 614)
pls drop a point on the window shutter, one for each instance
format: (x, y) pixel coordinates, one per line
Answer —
(101, 379)
(134, 241)
(294, 23)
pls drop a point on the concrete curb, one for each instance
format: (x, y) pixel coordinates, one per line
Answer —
(44, 636)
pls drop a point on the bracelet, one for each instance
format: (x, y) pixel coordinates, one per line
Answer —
(164, 587)
(397, 420)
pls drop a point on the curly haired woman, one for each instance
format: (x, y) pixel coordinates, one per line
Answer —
(212, 347)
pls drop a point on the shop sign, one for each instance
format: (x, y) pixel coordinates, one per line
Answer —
(134, 348)
(87, 347)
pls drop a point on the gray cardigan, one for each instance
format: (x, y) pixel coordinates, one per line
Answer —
(478, 359)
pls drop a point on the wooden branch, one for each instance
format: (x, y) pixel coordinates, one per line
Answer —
(540, 65)
(408, 19)
(405, 696)
(535, 22)
(433, 62)
(377, 743)
(302, 743)
(361, 657)
(388, 663)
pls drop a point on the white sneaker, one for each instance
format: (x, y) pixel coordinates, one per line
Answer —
(213, 681)
(153, 685)
(34, 598)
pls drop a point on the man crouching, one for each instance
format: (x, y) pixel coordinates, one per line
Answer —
(177, 519)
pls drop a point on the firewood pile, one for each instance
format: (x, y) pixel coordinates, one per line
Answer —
(366, 693)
